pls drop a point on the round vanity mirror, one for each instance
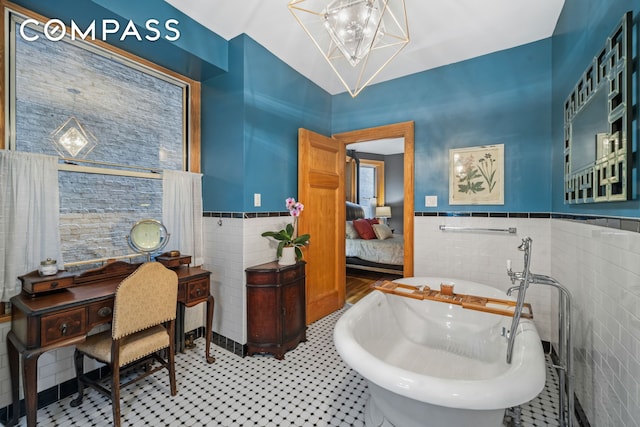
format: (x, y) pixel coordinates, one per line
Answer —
(148, 236)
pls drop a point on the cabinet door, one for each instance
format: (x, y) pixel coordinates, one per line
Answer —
(293, 302)
(263, 321)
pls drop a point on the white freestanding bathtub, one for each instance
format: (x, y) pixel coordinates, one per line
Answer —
(429, 363)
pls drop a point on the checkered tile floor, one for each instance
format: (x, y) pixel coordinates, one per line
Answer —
(311, 387)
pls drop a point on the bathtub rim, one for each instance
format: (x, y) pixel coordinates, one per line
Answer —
(527, 367)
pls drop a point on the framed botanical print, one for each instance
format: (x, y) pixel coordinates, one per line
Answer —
(476, 175)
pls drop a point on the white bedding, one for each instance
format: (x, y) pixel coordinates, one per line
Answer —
(388, 251)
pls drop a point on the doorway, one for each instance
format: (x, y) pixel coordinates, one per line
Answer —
(321, 179)
(403, 130)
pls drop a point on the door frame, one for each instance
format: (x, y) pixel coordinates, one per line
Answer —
(404, 130)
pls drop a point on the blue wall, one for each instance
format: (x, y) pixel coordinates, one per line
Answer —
(501, 98)
(580, 33)
(222, 144)
(251, 118)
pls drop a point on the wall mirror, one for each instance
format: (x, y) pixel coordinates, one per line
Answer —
(597, 125)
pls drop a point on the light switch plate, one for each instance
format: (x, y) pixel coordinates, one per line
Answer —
(257, 200)
(431, 201)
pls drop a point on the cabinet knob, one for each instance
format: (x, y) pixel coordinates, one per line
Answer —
(104, 312)
(63, 329)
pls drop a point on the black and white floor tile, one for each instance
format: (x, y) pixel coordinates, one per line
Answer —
(310, 387)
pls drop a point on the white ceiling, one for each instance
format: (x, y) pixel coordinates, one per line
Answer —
(442, 31)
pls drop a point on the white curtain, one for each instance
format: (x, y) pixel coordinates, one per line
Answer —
(29, 216)
(182, 212)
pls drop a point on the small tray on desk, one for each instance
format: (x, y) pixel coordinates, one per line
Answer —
(171, 260)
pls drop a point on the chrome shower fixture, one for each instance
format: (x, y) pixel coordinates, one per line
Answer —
(565, 346)
(526, 244)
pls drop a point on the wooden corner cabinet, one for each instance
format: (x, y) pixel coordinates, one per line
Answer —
(276, 316)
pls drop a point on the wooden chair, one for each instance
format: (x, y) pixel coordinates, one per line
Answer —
(143, 325)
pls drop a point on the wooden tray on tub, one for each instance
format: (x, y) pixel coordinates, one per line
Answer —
(472, 302)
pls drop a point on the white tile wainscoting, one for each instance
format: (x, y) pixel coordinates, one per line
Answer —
(230, 246)
(482, 256)
(601, 268)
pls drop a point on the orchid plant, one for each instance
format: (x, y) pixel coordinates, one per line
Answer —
(288, 237)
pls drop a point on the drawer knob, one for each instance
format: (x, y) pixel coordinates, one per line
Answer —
(54, 285)
(104, 312)
(63, 329)
(198, 291)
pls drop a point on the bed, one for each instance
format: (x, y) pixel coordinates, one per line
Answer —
(383, 252)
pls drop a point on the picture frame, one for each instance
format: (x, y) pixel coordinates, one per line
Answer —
(476, 175)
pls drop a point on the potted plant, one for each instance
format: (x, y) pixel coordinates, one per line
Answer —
(289, 243)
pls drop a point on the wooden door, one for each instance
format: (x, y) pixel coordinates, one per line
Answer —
(321, 190)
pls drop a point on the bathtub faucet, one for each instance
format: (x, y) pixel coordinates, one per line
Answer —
(565, 346)
(525, 246)
(524, 278)
(513, 288)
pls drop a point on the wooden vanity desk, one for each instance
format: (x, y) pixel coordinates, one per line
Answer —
(60, 310)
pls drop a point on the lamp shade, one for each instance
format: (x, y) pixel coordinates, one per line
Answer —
(383, 212)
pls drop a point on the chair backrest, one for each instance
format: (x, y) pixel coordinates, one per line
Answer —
(147, 297)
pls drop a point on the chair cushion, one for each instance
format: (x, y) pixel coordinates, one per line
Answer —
(132, 347)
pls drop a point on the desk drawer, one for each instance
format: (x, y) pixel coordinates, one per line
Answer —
(99, 313)
(50, 285)
(197, 290)
(60, 326)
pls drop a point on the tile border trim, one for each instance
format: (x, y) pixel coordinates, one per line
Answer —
(618, 223)
(245, 215)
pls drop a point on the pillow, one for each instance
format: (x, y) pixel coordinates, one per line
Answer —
(372, 220)
(350, 231)
(382, 231)
(364, 229)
